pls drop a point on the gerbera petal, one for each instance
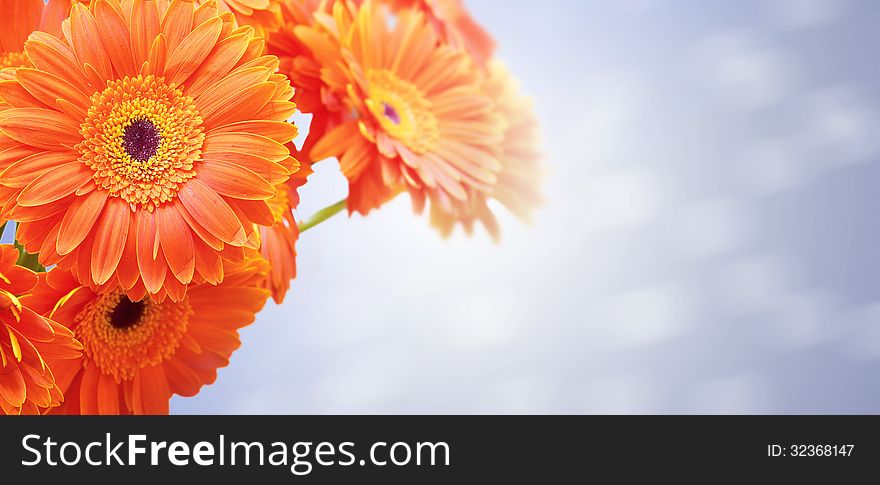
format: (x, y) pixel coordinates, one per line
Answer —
(144, 30)
(79, 220)
(41, 128)
(86, 41)
(115, 37)
(110, 235)
(193, 49)
(49, 88)
(152, 271)
(212, 212)
(107, 395)
(150, 392)
(235, 181)
(21, 173)
(177, 22)
(218, 64)
(55, 184)
(246, 143)
(88, 391)
(176, 241)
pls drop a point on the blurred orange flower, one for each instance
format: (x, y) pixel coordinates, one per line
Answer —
(420, 121)
(137, 354)
(519, 182)
(27, 342)
(144, 145)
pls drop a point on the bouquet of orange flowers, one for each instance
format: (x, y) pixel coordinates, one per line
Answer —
(147, 160)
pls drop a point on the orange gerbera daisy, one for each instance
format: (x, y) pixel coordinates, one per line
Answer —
(519, 182)
(453, 21)
(420, 120)
(144, 144)
(279, 239)
(138, 353)
(27, 341)
(20, 18)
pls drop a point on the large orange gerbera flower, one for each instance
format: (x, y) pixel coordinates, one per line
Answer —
(27, 341)
(519, 182)
(279, 239)
(20, 18)
(138, 353)
(453, 21)
(144, 144)
(421, 122)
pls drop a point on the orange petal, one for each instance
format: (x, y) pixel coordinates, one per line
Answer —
(86, 42)
(150, 393)
(208, 209)
(110, 236)
(217, 65)
(48, 53)
(41, 128)
(152, 270)
(88, 391)
(235, 181)
(127, 271)
(79, 220)
(55, 184)
(49, 88)
(177, 244)
(108, 395)
(280, 131)
(192, 50)
(177, 22)
(245, 143)
(144, 30)
(272, 172)
(115, 37)
(28, 168)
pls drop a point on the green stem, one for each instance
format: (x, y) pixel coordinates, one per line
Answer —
(322, 215)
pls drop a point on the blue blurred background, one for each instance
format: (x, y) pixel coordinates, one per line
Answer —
(710, 243)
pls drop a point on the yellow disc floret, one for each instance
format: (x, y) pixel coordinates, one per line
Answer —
(142, 138)
(402, 110)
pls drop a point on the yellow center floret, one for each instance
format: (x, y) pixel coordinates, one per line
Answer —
(402, 111)
(121, 336)
(142, 138)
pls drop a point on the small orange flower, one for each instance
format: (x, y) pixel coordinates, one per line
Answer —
(519, 182)
(263, 15)
(455, 25)
(27, 342)
(417, 121)
(144, 145)
(297, 61)
(137, 354)
(279, 239)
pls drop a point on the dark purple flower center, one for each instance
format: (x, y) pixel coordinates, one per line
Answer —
(391, 113)
(141, 139)
(127, 313)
